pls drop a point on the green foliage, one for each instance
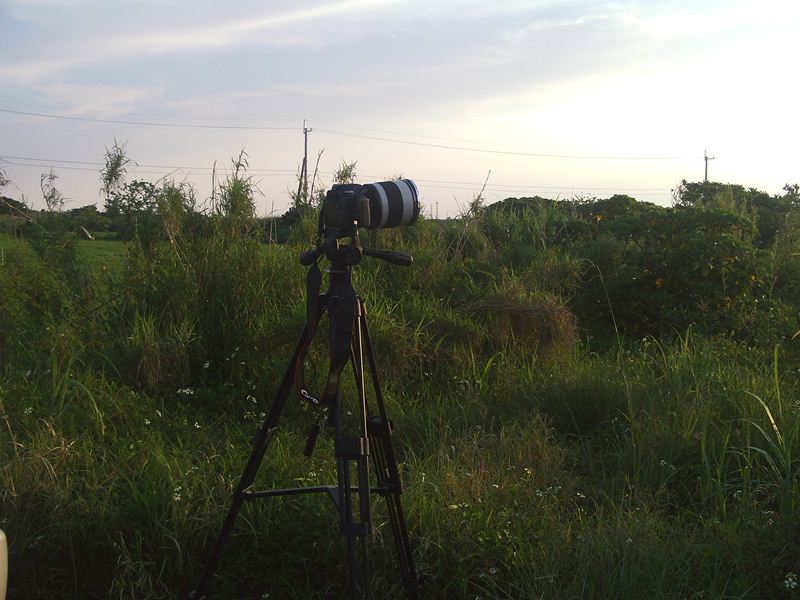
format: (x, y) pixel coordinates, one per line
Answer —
(89, 218)
(112, 175)
(132, 208)
(236, 201)
(766, 212)
(538, 460)
(52, 196)
(33, 299)
(9, 206)
(724, 267)
(346, 173)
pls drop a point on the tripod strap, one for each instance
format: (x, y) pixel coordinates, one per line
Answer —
(313, 299)
(313, 286)
(342, 303)
(342, 311)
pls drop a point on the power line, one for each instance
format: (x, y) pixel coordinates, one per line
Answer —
(433, 183)
(538, 187)
(506, 152)
(159, 116)
(345, 134)
(462, 186)
(71, 168)
(286, 119)
(333, 132)
(99, 164)
(133, 170)
(532, 189)
(147, 123)
(413, 135)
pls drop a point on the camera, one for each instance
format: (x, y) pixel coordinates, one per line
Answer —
(374, 205)
(348, 206)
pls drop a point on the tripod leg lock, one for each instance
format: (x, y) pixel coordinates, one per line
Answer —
(352, 448)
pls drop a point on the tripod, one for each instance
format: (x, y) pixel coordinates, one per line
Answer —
(369, 436)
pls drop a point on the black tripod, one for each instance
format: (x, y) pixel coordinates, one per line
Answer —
(370, 436)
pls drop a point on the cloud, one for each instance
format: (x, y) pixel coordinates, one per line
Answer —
(271, 29)
(38, 12)
(475, 9)
(236, 32)
(697, 21)
(540, 26)
(97, 99)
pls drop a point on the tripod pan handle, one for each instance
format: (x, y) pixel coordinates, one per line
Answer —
(308, 257)
(396, 258)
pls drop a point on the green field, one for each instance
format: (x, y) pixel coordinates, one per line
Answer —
(9, 243)
(591, 400)
(102, 254)
(98, 255)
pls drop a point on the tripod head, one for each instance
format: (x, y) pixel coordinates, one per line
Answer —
(349, 206)
(345, 256)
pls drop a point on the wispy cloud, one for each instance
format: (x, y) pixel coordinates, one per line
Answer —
(238, 32)
(701, 20)
(271, 29)
(542, 25)
(38, 11)
(99, 100)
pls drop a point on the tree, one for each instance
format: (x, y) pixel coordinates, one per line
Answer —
(53, 198)
(346, 173)
(112, 175)
(131, 206)
(236, 193)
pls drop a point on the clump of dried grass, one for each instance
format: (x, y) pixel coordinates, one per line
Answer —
(538, 323)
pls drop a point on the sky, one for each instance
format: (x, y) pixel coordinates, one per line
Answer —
(531, 97)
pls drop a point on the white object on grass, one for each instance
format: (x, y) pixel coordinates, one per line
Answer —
(3, 565)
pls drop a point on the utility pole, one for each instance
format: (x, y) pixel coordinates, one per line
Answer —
(302, 185)
(272, 223)
(706, 158)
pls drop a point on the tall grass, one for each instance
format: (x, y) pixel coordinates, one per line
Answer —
(536, 462)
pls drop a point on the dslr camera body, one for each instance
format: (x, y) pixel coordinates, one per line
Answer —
(347, 207)
(374, 205)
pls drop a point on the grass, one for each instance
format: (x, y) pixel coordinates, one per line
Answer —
(103, 254)
(9, 243)
(663, 468)
(673, 500)
(98, 254)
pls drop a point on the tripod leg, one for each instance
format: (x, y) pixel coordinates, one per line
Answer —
(350, 529)
(388, 474)
(364, 492)
(351, 441)
(260, 443)
(353, 452)
(390, 486)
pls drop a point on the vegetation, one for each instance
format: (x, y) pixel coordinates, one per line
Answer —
(593, 398)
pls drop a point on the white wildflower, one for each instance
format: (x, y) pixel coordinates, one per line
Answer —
(790, 581)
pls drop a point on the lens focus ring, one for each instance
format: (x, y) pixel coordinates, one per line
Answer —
(392, 203)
